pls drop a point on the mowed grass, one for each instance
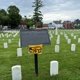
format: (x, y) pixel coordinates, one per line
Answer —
(69, 62)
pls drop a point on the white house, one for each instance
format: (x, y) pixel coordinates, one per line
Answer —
(76, 23)
(51, 26)
(57, 24)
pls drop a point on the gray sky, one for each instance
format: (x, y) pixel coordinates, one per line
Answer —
(52, 10)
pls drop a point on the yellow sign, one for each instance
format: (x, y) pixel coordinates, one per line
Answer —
(35, 49)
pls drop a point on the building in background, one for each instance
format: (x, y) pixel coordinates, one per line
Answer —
(57, 24)
(51, 26)
(22, 25)
(68, 24)
(77, 24)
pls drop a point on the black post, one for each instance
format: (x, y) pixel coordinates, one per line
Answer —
(36, 63)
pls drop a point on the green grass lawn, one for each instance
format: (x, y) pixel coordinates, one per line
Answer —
(69, 62)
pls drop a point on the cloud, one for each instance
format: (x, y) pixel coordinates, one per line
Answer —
(52, 10)
(53, 16)
(62, 10)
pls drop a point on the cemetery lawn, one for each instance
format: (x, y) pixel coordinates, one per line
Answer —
(69, 61)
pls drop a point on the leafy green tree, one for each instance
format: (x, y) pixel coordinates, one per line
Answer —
(13, 9)
(37, 17)
(76, 27)
(3, 12)
(14, 16)
(3, 17)
(77, 20)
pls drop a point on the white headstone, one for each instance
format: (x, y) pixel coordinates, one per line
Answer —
(58, 41)
(74, 37)
(5, 45)
(78, 40)
(51, 35)
(72, 34)
(56, 31)
(66, 37)
(58, 37)
(9, 40)
(16, 72)
(56, 48)
(73, 47)
(69, 41)
(2, 35)
(19, 44)
(54, 67)
(19, 51)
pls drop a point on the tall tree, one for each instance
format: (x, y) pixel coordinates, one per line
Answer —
(13, 9)
(2, 11)
(3, 17)
(14, 16)
(37, 17)
(77, 20)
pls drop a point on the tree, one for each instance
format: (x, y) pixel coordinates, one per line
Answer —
(77, 20)
(2, 11)
(3, 17)
(13, 9)
(14, 16)
(37, 17)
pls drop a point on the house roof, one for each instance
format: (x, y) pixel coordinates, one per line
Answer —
(57, 22)
(50, 25)
(76, 22)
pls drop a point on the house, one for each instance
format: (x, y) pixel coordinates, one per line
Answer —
(68, 24)
(22, 25)
(51, 26)
(76, 23)
(57, 24)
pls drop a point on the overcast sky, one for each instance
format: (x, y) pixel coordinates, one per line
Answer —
(52, 10)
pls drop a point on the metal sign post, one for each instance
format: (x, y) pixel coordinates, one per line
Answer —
(35, 49)
(36, 63)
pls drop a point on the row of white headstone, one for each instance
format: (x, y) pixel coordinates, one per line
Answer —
(73, 48)
(8, 34)
(57, 48)
(19, 50)
(17, 73)
(65, 35)
(10, 41)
